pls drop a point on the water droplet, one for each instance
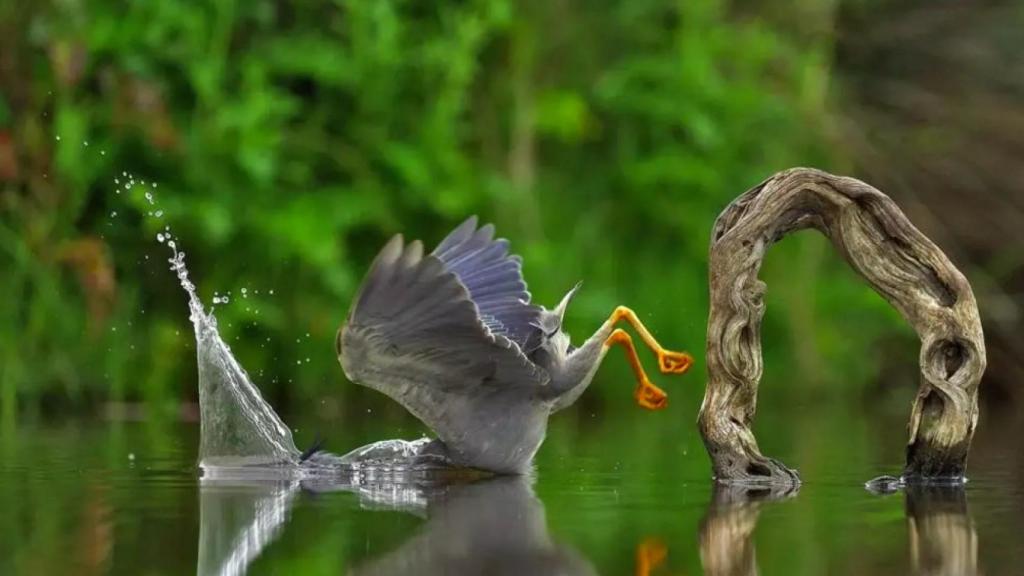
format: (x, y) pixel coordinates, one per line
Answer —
(160, 237)
(172, 245)
(271, 291)
(149, 196)
(245, 292)
(103, 152)
(85, 143)
(158, 213)
(113, 214)
(58, 137)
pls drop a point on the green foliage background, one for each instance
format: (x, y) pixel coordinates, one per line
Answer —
(285, 142)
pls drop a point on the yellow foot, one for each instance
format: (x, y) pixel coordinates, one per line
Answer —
(670, 362)
(649, 396)
(650, 554)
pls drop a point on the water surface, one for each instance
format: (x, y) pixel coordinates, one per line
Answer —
(616, 491)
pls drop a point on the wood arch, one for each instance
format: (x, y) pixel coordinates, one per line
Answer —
(898, 261)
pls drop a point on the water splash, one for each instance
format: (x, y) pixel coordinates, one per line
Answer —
(238, 427)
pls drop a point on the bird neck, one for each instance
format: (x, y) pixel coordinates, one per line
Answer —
(573, 376)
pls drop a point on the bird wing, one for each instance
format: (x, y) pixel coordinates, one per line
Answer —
(494, 280)
(415, 334)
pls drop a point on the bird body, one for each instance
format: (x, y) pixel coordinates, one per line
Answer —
(452, 337)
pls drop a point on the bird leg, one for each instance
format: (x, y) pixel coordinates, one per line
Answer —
(669, 362)
(646, 394)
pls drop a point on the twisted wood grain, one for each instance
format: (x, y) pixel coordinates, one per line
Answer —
(901, 264)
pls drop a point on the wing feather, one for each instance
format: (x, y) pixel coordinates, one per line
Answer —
(414, 330)
(494, 280)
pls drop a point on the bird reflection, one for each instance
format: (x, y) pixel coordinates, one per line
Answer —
(727, 529)
(493, 526)
(942, 535)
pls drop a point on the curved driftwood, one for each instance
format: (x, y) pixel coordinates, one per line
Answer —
(902, 265)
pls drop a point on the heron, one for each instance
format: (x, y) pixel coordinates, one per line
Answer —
(453, 337)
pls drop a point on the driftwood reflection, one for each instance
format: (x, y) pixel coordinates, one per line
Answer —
(942, 537)
(727, 529)
(493, 526)
(941, 534)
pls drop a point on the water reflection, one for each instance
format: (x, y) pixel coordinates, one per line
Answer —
(941, 531)
(494, 526)
(941, 534)
(238, 518)
(727, 529)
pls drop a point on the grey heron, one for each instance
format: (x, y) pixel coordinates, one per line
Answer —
(452, 336)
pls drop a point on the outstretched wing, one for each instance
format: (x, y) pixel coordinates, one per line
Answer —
(414, 334)
(494, 280)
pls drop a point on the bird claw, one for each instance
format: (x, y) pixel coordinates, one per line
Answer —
(670, 362)
(649, 396)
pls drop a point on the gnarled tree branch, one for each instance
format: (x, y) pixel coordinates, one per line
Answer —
(899, 262)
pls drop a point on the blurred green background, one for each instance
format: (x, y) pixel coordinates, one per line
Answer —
(285, 142)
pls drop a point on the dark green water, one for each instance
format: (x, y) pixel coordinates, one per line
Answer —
(615, 489)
